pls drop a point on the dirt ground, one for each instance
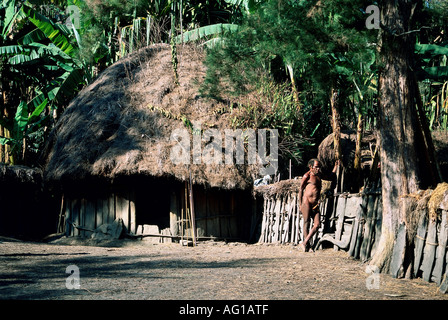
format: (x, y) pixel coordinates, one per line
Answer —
(137, 270)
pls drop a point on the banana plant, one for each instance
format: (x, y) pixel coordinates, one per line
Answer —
(59, 55)
(212, 34)
(433, 72)
(433, 61)
(212, 31)
(19, 128)
(41, 69)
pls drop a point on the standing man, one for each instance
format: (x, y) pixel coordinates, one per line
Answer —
(309, 196)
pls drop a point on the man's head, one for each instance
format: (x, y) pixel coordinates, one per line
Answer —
(314, 166)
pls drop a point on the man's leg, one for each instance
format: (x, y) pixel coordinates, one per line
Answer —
(316, 225)
(306, 211)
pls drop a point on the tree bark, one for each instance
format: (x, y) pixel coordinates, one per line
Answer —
(397, 118)
(336, 125)
(357, 162)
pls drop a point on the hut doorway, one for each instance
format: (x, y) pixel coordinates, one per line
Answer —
(153, 205)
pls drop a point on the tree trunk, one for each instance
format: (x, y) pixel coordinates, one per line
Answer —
(357, 161)
(398, 120)
(336, 124)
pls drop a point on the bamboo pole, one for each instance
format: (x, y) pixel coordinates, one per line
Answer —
(184, 212)
(61, 222)
(293, 218)
(193, 222)
(263, 221)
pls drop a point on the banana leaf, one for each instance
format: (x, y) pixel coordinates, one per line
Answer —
(33, 36)
(9, 18)
(431, 49)
(435, 73)
(23, 120)
(51, 30)
(13, 49)
(206, 31)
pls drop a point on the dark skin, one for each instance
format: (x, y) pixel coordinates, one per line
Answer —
(309, 195)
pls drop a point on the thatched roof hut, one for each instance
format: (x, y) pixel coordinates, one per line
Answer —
(121, 124)
(120, 127)
(326, 152)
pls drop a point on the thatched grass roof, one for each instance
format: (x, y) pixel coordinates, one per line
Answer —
(326, 154)
(286, 187)
(120, 125)
(19, 175)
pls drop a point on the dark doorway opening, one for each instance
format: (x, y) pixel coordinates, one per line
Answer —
(152, 204)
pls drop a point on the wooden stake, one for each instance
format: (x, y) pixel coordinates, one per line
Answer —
(430, 250)
(61, 223)
(398, 253)
(441, 249)
(289, 169)
(193, 221)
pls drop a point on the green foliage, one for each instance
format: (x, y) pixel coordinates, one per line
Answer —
(21, 126)
(274, 107)
(313, 46)
(40, 72)
(431, 62)
(206, 31)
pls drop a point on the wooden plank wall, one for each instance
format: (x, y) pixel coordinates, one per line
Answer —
(90, 213)
(218, 213)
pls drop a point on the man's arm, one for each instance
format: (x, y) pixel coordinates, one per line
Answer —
(303, 183)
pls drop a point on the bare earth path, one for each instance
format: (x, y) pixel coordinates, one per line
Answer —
(135, 270)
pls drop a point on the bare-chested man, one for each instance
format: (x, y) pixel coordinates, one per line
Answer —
(309, 196)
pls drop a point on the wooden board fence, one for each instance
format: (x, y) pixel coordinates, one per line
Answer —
(352, 222)
(349, 221)
(281, 219)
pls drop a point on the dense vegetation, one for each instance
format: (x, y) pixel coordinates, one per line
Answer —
(305, 58)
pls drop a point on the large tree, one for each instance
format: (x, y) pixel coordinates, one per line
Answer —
(406, 164)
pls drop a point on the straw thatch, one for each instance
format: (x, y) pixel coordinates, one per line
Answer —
(20, 175)
(440, 194)
(121, 124)
(326, 154)
(281, 188)
(416, 206)
(285, 187)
